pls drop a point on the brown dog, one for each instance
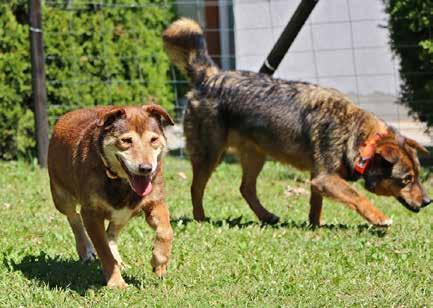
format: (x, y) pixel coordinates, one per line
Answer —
(108, 160)
(298, 123)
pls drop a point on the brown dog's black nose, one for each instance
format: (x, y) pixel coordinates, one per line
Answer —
(426, 201)
(144, 168)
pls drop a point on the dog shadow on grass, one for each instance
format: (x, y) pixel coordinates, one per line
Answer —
(239, 222)
(63, 274)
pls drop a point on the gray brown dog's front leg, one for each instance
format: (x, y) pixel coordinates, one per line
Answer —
(315, 215)
(335, 187)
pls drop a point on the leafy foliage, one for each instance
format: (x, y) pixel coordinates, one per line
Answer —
(95, 55)
(411, 27)
(15, 79)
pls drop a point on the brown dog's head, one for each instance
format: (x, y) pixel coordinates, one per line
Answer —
(394, 171)
(132, 143)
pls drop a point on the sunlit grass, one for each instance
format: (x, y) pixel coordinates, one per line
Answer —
(231, 260)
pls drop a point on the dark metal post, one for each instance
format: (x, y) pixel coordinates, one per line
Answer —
(288, 36)
(38, 81)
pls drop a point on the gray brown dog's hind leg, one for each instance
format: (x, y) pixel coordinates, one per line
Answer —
(202, 170)
(252, 163)
(335, 187)
(205, 144)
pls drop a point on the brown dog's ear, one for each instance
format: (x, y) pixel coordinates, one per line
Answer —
(109, 117)
(389, 152)
(160, 113)
(413, 144)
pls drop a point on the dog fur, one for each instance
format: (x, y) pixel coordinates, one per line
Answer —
(297, 123)
(109, 160)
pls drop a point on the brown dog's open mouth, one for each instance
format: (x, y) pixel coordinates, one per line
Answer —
(406, 205)
(141, 184)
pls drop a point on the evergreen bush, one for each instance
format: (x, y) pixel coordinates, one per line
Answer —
(95, 55)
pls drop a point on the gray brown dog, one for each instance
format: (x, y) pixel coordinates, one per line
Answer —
(302, 124)
(109, 160)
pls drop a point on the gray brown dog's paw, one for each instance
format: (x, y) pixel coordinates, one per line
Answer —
(270, 219)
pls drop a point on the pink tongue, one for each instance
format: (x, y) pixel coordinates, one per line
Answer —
(141, 185)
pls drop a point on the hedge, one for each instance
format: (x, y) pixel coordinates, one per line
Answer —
(95, 55)
(411, 28)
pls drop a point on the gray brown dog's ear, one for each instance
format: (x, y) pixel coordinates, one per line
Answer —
(160, 113)
(413, 144)
(109, 117)
(389, 152)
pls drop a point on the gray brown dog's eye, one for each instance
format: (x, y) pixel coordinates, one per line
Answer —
(153, 139)
(126, 140)
(407, 179)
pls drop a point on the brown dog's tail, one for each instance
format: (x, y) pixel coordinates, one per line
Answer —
(186, 48)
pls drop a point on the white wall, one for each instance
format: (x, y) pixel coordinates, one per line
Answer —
(344, 44)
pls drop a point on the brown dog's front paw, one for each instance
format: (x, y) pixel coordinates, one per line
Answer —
(386, 222)
(117, 283)
(86, 253)
(160, 270)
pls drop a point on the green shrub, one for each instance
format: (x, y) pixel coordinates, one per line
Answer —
(411, 28)
(15, 79)
(95, 55)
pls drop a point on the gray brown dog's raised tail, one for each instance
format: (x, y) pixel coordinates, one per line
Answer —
(186, 47)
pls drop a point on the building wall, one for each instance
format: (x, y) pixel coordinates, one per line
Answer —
(344, 44)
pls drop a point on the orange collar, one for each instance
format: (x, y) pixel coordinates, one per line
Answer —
(367, 150)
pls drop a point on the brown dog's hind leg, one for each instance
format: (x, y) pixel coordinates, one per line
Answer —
(95, 228)
(158, 217)
(66, 205)
(85, 249)
(252, 163)
(335, 187)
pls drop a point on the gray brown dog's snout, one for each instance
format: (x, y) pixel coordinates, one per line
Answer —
(145, 168)
(426, 201)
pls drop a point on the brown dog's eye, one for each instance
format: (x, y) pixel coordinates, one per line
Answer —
(126, 140)
(153, 139)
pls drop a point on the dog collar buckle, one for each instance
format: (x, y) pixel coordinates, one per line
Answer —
(362, 165)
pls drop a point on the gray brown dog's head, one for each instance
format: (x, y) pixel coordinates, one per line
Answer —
(394, 171)
(133, 143)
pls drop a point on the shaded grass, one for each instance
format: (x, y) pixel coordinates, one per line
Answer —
(231, 260)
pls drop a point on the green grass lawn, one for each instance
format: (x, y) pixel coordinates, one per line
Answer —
(229, 261)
